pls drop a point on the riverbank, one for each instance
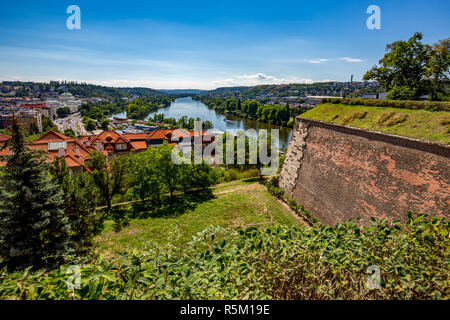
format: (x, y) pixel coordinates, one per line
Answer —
(189, 107)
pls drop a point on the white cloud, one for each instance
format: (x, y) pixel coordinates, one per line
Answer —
(318, 60)
(257, 79)
(351, 59)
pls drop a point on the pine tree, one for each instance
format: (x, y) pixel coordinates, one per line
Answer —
(33, 229)
(79, 205)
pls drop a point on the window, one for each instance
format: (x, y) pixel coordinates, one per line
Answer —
(121, 146)
(57, 145)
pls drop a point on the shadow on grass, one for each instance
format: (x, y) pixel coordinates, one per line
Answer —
(170, 207)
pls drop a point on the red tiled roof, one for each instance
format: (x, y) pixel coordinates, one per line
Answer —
(140, 145)
(53, 136)
(159, 134)
(4, 138)
(180, 133)
(136, 136)
(109, 137)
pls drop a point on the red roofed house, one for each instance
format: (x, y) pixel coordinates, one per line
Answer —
(3, 139)
(67, 148)
(112, 142)
(58, 145)
(76, 150)
(177, 136)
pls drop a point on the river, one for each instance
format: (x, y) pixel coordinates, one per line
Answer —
(230, 123)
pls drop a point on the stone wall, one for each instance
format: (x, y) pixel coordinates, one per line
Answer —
(341, 172)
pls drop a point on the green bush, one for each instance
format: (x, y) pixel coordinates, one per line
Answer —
(279, 262)
(120, 217)
(235, 174)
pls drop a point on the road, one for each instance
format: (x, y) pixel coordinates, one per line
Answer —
(73, 121)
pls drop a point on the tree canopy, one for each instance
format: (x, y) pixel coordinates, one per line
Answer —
(410, 69)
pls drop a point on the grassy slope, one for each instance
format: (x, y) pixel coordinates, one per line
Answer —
(419, 124)
(235, 204)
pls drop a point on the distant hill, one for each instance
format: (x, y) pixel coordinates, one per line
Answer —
(297, 90)
(259, 92)
(144, 92)
(84, 90)
(183, 91)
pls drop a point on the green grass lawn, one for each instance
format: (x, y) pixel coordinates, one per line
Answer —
(420, 124)
(235, 204)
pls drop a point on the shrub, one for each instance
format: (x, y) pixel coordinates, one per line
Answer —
(120, 217)
(279, 262)
(354, 116)
(397, 118)
(384, 117)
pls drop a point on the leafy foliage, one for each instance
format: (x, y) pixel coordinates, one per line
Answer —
(409, 67)
(279, 262)
(79, 205)
(252, 109)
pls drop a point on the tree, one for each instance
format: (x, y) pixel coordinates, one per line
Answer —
(48, 125)
(33, 226)
(252, 107)
(109, 180)
(79, 202)
(69, 132)
(168, 169)
(402, 69)
(90, 124)
(195, 176)
(145, 178)
(63, 112)
(207, 125)
(104, 124)
(438, 69)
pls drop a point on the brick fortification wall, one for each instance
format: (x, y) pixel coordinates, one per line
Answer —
(340, 173)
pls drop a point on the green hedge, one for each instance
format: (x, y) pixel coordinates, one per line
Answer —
(403, 104)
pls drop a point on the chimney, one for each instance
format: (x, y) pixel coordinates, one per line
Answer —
(77, 151)
(60, 153)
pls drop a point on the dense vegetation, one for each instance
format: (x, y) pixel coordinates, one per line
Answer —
(283, 115)
(141, 107)
(136, 109)
(33, 227)
(260, 92)
(101, 110)
(410, 69)
(278, 262)
(419, 124)
(183, 122)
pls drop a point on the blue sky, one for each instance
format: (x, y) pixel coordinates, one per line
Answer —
(206, 44)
